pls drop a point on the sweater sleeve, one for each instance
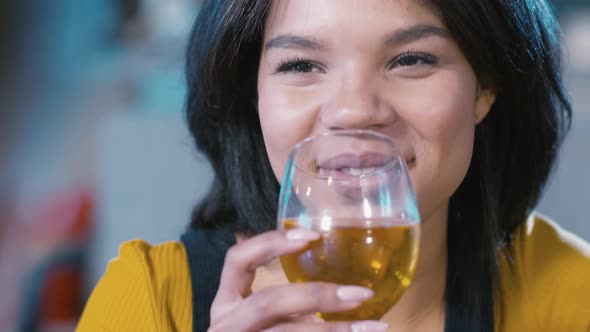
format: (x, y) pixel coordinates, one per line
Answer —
(145, 289)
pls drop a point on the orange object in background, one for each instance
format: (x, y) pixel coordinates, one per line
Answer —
(45, 252)
(60, 298)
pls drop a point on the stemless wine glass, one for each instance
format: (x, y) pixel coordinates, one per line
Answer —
(352, 186)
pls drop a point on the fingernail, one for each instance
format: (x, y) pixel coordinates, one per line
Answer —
(301, 235)
(354, 293)
(369, 326)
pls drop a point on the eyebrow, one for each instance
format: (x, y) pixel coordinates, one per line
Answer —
(403, 36)
(416, 32)
(293, 41)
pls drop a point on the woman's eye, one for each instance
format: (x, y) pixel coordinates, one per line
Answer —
(297, 66)
(409, 59)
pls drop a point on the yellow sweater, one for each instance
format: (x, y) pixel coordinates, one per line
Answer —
(545, 285)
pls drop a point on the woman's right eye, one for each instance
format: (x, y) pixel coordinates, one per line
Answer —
(298, 66)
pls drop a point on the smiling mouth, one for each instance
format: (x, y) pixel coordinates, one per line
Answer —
(370, 170)
(358, 171)
(358, 165)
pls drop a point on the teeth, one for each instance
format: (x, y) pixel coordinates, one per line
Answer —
(359, 171)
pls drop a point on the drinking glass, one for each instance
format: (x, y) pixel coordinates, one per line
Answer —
(353, 188)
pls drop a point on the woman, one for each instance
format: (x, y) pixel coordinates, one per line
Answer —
(472, 92)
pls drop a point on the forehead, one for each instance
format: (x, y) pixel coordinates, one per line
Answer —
(306, 16)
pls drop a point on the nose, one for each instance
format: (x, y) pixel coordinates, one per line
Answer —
(357, 104)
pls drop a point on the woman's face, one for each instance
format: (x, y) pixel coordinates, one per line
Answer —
(385, 65)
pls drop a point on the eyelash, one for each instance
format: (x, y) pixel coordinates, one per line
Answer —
(413, 57)
(290, 64)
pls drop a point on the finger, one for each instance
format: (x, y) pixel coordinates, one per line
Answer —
(362, 326)
(242, 260)
(309, 318)
(272, 305)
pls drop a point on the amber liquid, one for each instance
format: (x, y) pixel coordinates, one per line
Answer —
(381, 256)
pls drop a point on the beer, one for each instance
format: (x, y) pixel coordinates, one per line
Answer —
(380, 254)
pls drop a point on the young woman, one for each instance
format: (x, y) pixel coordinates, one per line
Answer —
(472, 92)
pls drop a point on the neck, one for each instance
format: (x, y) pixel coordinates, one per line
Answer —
(423, 304)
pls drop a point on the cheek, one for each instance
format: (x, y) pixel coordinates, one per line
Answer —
(442, 120)
(286, 117)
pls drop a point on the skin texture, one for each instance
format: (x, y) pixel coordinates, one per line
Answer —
(430, 109)
(384, 65)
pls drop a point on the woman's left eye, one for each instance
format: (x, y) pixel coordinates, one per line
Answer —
(298, 66)
(410, 58)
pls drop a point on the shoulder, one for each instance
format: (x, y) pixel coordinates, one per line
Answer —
(543, 247)
(547, 269)
(145, 288)
(165, 260)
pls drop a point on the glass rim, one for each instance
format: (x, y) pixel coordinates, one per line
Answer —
(349, 132)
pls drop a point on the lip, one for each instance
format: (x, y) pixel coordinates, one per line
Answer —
(355, 187)
(333, 166)
(353, 160)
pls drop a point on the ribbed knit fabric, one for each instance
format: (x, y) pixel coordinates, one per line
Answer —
(145, 289)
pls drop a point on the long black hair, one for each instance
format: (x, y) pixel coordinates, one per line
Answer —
(513, 47)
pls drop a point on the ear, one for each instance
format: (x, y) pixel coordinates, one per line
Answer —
(484, 99)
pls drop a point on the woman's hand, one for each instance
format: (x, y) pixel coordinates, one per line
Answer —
(288, 307)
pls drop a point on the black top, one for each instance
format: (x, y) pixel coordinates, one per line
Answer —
(205, 250)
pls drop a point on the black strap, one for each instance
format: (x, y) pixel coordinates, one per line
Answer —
(206, 251)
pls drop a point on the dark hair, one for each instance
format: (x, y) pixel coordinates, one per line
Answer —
(513, 46)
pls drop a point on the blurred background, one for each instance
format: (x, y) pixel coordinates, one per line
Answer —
(94, 150)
